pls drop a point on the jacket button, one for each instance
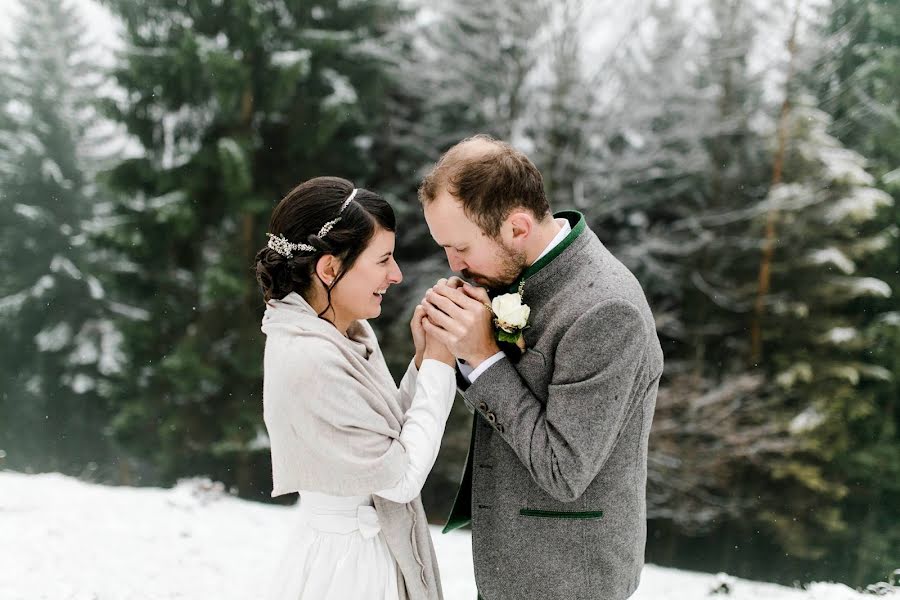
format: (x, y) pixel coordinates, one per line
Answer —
(492, 418)
(482, 406)
(500, 428)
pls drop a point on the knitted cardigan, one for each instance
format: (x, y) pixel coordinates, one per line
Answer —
(334, 415)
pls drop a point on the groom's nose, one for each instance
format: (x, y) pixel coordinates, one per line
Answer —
(456, 263)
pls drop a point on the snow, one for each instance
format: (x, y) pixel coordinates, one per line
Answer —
(179, 149)
(800, 372)
(54, 338)
(892, 177)
(261, 441)
(32, 213)
(60, 263)
(51, 172)
(847, 372)
(82, 384)
(870, 286)
(95, 288)
(134, 313)
(66, 539)
(807, 420)
(835, 257)
(841, 335)
(112, 358)
(342, 92)
(843, 165)
(43, 284)
(291, 58)
(861, 205)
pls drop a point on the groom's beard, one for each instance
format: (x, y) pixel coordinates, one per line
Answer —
(510, 263)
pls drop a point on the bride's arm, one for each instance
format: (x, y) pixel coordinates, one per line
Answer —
(433, 390)
(408, 384)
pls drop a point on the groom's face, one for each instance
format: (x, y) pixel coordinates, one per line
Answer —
(485, 261)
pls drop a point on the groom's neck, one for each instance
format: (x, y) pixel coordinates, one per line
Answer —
(541, 237)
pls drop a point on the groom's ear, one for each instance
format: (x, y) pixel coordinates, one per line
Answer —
(521, 223)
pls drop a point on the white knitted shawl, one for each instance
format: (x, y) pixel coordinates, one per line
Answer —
(333, 414)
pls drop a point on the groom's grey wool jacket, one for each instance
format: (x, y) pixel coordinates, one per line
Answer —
(555, 480)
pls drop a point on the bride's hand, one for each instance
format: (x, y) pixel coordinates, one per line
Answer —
(437, 350)
(418, 334)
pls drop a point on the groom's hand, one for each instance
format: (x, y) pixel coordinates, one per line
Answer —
(462, 322)
(453, 282)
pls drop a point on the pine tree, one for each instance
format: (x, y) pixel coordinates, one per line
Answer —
(689, 157)
(561, 122)
(814, 230)
(479, 66)
(815, 333)
(234, 104)
(856, 82)
(61, 344)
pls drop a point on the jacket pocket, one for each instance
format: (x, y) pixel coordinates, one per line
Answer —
(558, 514)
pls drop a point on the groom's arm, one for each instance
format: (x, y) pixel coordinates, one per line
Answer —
(466, 375)
(565, 444)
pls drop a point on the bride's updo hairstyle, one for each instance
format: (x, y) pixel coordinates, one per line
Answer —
(299, 217)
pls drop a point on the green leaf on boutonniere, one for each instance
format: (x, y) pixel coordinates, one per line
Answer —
(505, 336)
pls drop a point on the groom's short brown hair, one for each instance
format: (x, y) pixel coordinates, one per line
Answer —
(490, 178)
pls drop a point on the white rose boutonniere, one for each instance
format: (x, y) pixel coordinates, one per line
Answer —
(510, 317)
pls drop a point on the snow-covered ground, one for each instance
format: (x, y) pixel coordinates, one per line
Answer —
(63, 539)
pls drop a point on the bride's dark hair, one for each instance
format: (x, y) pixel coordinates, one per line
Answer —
(300, 215)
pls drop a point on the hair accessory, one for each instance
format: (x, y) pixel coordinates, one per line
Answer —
(282, 246)
(285, 248)
(330, 224)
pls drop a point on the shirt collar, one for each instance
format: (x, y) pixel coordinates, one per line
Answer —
(566, 228)
(576, 226)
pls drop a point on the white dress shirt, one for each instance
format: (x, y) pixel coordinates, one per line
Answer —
(471, 374)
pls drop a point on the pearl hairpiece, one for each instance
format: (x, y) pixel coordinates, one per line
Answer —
(279, 244)
(282, 246)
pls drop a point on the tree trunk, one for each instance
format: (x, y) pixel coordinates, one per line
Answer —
(765, 265)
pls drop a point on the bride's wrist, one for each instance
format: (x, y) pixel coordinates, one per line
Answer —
(443, 357)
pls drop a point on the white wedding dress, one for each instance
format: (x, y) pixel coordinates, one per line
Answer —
(335, 550)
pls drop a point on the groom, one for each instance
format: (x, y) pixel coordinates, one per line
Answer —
(555, 479)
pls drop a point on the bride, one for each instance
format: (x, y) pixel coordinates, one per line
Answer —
(355, 447)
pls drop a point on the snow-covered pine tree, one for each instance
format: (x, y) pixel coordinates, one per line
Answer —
(60, 343)
(234, 104)
(564, 110)
(479, 58)
(818, 217)
(857, 78)
(814, 333)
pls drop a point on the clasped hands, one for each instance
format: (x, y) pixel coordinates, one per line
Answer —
(454, 320)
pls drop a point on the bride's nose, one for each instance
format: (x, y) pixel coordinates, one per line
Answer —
(396, 276)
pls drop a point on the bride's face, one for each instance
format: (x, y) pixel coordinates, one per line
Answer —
(358, 295)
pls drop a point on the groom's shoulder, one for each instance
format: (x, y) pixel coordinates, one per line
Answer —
(601, 277)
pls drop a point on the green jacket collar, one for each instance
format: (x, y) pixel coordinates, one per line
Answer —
(576, 220)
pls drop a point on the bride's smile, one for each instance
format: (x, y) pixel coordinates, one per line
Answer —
(358, 293)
